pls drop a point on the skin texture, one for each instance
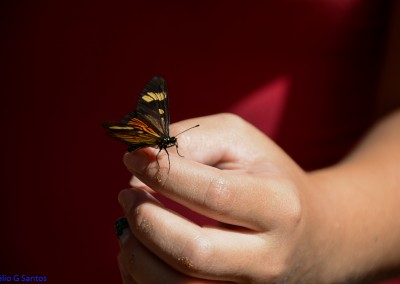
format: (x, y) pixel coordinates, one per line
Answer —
(335, 225)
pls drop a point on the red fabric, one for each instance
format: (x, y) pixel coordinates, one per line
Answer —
(305, 72)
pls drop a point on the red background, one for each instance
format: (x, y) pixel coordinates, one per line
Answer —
(69, 66)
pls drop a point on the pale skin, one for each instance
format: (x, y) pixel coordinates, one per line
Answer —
(289, 226)
(336, 225)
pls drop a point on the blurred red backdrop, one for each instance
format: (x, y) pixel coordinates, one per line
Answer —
(67, 66)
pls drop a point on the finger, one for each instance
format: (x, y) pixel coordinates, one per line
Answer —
(233, 197)
(125, 276)
(123, 233)
(140, 265)
(220, 138)
(207, 253)
(143, 266)
(135, 182)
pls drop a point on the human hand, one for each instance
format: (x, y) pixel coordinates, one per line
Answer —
(234, 174)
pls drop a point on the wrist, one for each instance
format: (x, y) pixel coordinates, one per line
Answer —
(356, 226)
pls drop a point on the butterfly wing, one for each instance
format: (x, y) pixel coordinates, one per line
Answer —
(149, 123)
(152, 107)
(136, 135)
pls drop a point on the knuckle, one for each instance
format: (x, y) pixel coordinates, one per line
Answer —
(276, 272)
(218, 196)
(285, 204)
(291, 204)
(228, 116)
(278, 266)
(230, 119)
(140, 218)
(196, 255)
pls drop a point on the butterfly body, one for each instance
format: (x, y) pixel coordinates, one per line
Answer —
(148, 125)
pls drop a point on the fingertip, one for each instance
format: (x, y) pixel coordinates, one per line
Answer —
(126, 199)
(136, 161)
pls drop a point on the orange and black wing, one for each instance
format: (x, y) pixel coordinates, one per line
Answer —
(152, 107)
(135, 136)
(149, 123)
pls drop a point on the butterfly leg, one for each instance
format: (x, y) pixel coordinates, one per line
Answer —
(157, 157)
(169, 162)
(176, 145)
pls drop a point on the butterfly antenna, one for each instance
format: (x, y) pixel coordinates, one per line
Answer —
(176, 144)
(187, 129)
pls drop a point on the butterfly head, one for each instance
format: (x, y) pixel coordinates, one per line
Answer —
(169, 142)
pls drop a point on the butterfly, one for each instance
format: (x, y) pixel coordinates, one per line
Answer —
(148, 125)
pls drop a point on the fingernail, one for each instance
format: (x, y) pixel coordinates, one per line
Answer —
(127, 199)
(136, 161)
(122, 229)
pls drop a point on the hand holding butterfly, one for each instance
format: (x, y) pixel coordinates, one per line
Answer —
(285, 225)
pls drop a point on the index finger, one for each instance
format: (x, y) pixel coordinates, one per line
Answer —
(222, 195)
(221, 138)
